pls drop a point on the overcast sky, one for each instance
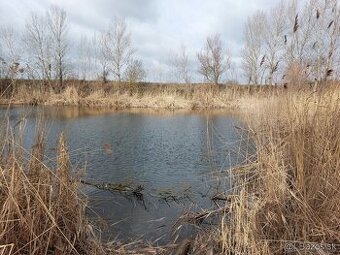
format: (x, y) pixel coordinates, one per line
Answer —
(158, 27)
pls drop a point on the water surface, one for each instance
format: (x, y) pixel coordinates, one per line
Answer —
(172, 153)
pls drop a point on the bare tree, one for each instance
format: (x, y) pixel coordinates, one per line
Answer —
(253, 49)
(298, 36)
(2, 66)
(135, 71)
(213, 60)
(119, 47)
(87, 53)
(103, 54)
(233, 73)
(312, 39)
(326, 44)
(58, 25)
(11, 52)
(3, 62)
(38, 41)
(181, 65)
(274, 40)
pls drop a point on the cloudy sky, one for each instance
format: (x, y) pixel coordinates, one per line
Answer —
(158, 27)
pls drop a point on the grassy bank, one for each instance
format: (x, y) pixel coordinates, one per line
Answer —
(125, 96)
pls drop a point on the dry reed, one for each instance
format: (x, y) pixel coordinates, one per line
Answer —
(287, 201)
(122, 96)
(41, 209)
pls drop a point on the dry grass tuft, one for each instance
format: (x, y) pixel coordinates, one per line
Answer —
(41, 210)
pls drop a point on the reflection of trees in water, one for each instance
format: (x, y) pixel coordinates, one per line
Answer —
(72, 112)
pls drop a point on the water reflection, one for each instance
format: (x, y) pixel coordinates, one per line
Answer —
(162, 151)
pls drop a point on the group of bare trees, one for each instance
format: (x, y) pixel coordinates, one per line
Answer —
(293, 42)
(181, 65)
(213, 62)
(116, 54)
(109, 54)
(40, 51)
(46, 45)
(43, 51)
(10, 53)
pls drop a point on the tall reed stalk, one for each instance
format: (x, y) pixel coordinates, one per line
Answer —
(41, 210)
(288, 199)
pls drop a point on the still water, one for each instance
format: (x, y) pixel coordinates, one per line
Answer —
(179, 154)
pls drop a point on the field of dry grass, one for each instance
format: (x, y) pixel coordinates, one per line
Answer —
(139, 96)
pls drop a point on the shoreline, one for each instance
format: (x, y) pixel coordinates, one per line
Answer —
(139, 96)
(121, 102)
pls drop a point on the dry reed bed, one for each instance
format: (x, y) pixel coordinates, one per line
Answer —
(298, 144)
(41, 211)
(115, 96)
(288, 199)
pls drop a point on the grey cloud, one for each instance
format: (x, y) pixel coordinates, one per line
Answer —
(143, 11)
(96, 14)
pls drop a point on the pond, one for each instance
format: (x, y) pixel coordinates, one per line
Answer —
(178, 159)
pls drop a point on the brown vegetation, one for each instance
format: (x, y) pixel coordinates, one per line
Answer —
(41, 209)
(124, 96)
(288, 198)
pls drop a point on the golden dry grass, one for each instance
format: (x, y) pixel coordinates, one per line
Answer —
(41, 209)
(288, 199)
(140, 96)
